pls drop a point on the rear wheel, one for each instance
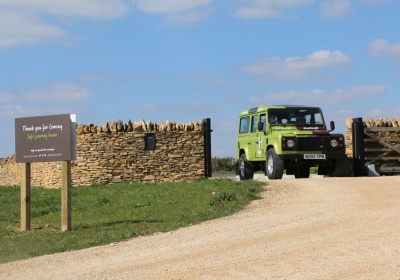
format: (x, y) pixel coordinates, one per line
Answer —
(274, 165)
(246, 170)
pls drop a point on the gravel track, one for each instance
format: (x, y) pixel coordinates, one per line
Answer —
(317, 228)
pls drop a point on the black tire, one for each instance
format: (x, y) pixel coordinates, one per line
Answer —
(303, 172)
(245, 168)
(273, 165)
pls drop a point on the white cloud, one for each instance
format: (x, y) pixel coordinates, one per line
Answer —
(296, 68)
(319, 96)
(59, 93)
(25, 21)
(187, 18)
(170, 6)
(179, 12)
(14, 111)
(25, 28)
(36, 102)
(382, 48)
(373, 1)
(253, 9)
(267, 8)
(356, 93)
(319, 59)
(258, 11)
(98, 9)
(383, 112)
(335, 8)
(38, 21)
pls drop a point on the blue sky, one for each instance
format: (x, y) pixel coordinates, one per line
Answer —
(186, 60)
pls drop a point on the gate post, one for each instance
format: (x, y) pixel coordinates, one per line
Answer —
(358, 147)
(207, 148)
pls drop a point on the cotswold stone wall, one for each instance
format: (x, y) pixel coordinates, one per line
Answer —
(115, 152)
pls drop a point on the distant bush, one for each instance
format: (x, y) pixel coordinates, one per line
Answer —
(223, 164)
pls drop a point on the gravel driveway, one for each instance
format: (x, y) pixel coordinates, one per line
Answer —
(317, 228)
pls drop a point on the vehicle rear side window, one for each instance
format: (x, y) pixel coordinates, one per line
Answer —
(263, 119)
(254, 123)
(244, 125)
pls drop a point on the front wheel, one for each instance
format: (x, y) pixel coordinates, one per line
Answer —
(246, 170)
(274, 165)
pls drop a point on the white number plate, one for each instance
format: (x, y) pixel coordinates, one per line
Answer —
(314, 156)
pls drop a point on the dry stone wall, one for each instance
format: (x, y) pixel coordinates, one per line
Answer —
(115, 152)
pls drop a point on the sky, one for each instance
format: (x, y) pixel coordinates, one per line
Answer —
(187, 60)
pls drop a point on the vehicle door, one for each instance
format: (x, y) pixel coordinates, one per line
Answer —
(258, 136)
(243, 136)
(261, 136)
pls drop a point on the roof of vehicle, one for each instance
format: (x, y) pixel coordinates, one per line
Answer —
(267, 107)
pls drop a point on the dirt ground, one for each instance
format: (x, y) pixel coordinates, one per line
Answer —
(317, 228)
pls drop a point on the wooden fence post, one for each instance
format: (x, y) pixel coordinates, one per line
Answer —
(66, 224)
(25, 196)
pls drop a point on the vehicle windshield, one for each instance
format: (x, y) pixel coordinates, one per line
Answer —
(297, 116)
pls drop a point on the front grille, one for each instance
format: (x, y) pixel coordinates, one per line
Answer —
(312, 143)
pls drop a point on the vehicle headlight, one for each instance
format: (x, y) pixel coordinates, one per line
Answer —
(334, 143)
(290, 143)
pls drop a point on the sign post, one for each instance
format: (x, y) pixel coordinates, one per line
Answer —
(66, 196)
(45, 139)
(26, 196)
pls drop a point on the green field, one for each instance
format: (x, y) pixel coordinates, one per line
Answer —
(107, 214)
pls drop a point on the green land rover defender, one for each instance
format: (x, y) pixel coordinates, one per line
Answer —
(292, 138)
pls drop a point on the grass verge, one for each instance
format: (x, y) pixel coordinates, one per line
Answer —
(107, 214)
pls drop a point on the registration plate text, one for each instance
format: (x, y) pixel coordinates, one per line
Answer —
(314, 156)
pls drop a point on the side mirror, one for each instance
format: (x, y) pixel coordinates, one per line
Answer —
(260, 126)
(332, 124)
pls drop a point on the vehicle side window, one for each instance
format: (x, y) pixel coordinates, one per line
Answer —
(318, 119)
(263, 119)
(254, 123)
(244, 125)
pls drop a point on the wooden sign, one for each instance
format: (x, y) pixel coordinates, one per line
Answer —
(45, 138)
